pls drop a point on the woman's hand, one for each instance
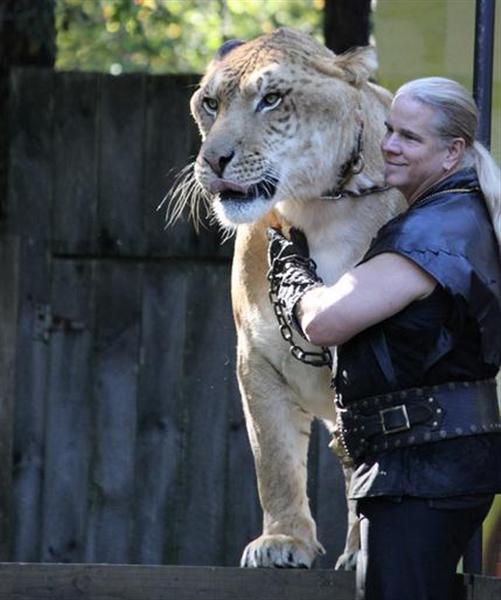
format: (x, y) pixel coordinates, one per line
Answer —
(292, 273)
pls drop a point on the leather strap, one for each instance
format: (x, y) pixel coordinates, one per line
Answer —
(418, 416)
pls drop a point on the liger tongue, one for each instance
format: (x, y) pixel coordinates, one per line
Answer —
(224, 185)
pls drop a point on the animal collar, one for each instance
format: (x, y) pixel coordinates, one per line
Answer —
(353, 166)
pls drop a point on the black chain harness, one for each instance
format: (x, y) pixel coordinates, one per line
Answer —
(315, 359)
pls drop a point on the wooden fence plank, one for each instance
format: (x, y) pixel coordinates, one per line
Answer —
(29, 429)
(170, 136)
(98, 582)
(31, 109)
(127, 582)
(208, 330)
(75, 163)
(29, 216)
(67, 445)
(9, 257)
(160, 435)
(117, 330)
(120, 228)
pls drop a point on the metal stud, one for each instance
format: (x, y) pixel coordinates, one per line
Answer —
(427, 436)
(431, 399)
(459, 431)
(434, 424)
(443, 433)
(412, 439)
(473, 428)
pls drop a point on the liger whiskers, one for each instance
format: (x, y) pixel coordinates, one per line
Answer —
(186, 192)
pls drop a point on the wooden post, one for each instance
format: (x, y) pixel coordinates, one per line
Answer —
(346, 24)
(27, 37)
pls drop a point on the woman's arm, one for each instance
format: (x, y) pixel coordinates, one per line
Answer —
(369, 293)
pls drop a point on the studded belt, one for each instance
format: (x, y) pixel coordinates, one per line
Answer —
(417, 416)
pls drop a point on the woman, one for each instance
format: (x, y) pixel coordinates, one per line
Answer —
(418, 329)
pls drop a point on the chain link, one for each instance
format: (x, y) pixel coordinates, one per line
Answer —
(315, 359)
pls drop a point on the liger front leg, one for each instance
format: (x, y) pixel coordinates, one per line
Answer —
(279, 431)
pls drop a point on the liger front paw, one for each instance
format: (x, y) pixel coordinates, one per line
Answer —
(282, 551)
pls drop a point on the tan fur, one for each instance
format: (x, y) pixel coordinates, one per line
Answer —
(302, 143)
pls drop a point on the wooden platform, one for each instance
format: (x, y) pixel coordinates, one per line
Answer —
(36, 581)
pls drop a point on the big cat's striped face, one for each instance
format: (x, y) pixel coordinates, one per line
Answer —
(277, 117)
(251, 134)
(271, 131)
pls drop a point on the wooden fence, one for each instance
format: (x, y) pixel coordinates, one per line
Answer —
(121, 582)
(122, 439)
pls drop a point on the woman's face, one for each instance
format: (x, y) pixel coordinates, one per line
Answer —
(414, 157)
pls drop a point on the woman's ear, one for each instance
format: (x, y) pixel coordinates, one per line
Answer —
(455, 153)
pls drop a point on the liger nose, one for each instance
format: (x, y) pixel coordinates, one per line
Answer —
(218, 163)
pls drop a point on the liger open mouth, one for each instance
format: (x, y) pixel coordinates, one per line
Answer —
(235, 193)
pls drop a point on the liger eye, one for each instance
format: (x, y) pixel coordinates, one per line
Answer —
(270, 101)
(210, 105)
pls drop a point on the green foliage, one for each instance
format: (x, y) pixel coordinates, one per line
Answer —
(161, 36)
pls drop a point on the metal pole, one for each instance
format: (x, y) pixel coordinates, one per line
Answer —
(482, 92)
(483, 64)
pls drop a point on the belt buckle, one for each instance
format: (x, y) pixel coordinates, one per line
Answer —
(401, 408)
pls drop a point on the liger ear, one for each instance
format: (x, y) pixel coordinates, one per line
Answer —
(226, 48)
(358, 64)
(354, 66)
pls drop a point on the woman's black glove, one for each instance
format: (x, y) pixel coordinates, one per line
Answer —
(292, 272)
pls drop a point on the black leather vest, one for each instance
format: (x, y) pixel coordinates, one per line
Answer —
(453, 335)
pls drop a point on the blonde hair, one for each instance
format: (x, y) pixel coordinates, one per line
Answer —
(457, 117)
